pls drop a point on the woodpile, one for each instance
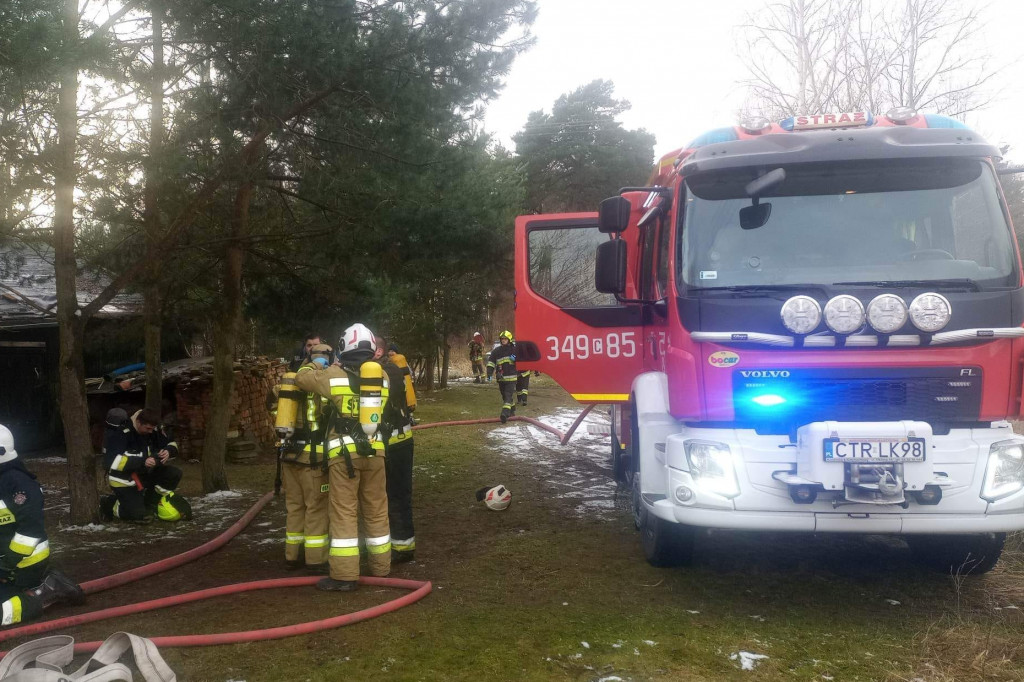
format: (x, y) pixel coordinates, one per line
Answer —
(252, 425)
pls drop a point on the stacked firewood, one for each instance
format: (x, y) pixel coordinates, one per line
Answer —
(255, 378)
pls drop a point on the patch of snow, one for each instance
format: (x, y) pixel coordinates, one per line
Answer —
(748, 660)
(576, 656)
(565, 603)
(649, 642)
(759, 619)
(617, 645)
(827, 678)
(585, 645)
(45, 460)
(692, 613)
(222, 495)
(892, 602)
(578, 471)
(610, 678)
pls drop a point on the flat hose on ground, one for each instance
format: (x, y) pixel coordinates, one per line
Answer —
(419, 589)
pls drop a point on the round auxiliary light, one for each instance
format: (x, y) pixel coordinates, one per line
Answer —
(801, 314)
(901, 114)
(887, 313)
(755, 125)
(930, 312)
(844, 314)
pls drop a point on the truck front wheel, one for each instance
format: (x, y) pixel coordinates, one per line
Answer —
(957, 554)
(666, 544)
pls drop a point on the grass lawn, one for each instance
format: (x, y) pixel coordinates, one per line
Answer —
(543, 592)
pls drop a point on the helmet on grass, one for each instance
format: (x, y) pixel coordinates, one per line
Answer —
(497, 498)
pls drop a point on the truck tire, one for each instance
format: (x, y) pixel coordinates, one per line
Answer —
(666, 544)
(957, 554)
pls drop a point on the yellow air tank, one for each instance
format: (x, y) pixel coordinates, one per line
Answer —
(410, 392)
(371, 396)
(289, 397)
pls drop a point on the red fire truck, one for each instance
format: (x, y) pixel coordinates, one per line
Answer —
(813, 325)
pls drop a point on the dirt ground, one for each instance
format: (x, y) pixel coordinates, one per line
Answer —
(556, 587)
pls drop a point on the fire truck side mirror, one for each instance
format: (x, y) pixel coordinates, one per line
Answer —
(613, 214)
(610, 270)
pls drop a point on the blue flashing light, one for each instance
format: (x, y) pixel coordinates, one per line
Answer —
(714, 137)
(936, 121)
(787, 124)
(768, 400)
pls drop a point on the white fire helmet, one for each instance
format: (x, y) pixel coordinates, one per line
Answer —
(497, 498)
(7, 451)
(357, 337)
(478, 335)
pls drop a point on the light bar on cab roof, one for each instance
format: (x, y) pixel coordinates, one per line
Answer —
(844, 119)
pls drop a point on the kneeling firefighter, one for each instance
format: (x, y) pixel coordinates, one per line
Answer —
(302, 468)
(27, 584)
(358, 391)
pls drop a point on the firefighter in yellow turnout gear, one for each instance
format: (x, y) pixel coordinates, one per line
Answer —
(303, 470)
(358, 391)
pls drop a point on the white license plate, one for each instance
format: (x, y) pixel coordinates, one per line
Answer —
(874, 449)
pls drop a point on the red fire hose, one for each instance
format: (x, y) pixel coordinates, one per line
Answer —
(419, 589)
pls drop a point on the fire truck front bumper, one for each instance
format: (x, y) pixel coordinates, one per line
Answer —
(962, 481)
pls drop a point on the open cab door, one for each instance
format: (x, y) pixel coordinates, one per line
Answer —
(587, 341)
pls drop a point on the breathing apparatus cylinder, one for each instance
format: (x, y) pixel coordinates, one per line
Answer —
(289, 397)
(371, 401)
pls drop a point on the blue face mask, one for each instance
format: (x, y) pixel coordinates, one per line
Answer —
(320, 362)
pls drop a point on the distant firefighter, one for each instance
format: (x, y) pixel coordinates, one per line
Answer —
(476, 357)
(503, 360)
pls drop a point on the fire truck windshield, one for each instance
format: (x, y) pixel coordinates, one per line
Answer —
(921, 220)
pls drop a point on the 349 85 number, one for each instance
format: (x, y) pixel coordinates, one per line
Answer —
(582, 346)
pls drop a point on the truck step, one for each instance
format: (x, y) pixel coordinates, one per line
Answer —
(599, 430)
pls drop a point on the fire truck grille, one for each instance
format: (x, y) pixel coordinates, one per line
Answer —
(795, 397)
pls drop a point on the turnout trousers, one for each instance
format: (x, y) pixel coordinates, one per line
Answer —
(399, 474)
(305, 497)
(523, 387)
(366, 493)
(132, 503)
(478, 369)
(17, 605)
(508, 393)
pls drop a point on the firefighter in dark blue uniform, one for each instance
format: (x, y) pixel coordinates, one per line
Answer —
(503, 360)
(27, 583)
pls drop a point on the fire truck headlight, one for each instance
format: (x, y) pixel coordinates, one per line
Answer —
(1004, 474)
(712, 468)
(930, 312)
(844, 314)
(801, 314)
(887, 313)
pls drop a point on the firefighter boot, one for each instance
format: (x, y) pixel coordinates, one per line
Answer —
(107, 507)
(505, 413)
(57, 588)
(293, 564)
(332, 585)
(403, 557)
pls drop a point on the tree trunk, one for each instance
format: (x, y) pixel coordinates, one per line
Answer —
(445, 359)
(71, 326)
(152, 304)
(427, 377)
(224, 341)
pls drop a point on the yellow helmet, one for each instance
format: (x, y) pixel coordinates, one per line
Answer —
(506, 335)
(173, 508)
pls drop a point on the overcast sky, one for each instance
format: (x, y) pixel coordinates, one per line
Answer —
(676, 61)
